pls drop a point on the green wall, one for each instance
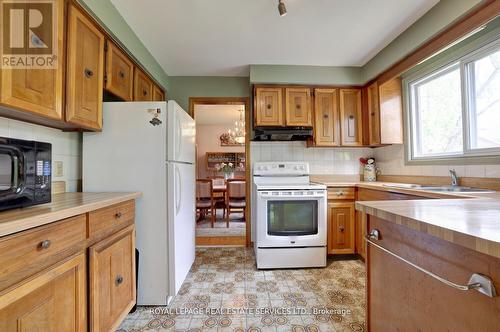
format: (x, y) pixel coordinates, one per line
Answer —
(184, 87)
(105, 12)
(280, 74)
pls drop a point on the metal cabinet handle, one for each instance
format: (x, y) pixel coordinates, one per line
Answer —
(325, 116)
(351, 117)
(144, 92)
(268, 106)
(88, 73)
(477, 281)
(297, 106)
(118, 280)
(341, 229)
(121, 74)
(118, 215)
(45, 244)
(340, 193)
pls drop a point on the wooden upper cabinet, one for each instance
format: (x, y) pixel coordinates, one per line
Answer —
(341, 228)
(373, 115)
(85, 71)
(37, 91)
(112, 280)
(351, 117)
(298, 107)
(269, 107)
(326, 124)
(143, 86)
(119, 73)
(391, 112)
(54, 300)
(158, 94)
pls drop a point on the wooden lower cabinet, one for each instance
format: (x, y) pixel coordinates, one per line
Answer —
(341, 228)
(402, 298)
(112, 280)
(53, 300)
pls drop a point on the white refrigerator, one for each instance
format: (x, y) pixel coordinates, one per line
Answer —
(150, 147)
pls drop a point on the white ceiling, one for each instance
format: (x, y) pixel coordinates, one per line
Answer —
(223, 37)
(217, 114)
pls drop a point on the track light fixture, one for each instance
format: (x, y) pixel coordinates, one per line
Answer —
(281, 8)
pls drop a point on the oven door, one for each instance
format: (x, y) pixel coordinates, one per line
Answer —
(291, 218)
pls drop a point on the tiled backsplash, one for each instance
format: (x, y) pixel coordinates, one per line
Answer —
(321, 160)
(390, 160)
(66, 147)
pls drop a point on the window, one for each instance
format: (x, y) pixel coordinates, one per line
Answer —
(454, 110)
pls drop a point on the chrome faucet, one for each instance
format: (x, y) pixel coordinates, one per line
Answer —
(454, 177)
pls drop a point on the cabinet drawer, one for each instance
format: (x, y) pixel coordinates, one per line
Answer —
(112, 280)
(112, 218)
(26, 253)
(341, 193)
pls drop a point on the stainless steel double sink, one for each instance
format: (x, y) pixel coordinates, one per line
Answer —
(449, 189)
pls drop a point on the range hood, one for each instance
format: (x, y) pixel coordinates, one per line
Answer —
(283, 134)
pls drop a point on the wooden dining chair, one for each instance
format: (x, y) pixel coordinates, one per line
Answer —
(219, 197)
(204, 198)
(235, 198)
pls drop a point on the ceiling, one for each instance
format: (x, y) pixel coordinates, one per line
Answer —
(217, 114)
(223, 37)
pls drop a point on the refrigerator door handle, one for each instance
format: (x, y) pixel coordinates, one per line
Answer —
(179, 192)
(179, 137)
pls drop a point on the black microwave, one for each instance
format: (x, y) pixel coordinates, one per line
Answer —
(25, 173)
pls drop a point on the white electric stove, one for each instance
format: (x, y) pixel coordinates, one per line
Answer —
(289, 215)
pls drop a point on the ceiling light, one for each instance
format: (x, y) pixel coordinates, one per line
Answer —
(281, 8)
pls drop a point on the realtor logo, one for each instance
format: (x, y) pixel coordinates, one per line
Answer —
(29, 34)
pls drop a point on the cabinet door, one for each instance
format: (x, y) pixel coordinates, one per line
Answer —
(269, 107)
(143, 87)
(54, 300)
(85, 68)
(158, 94)
(350, 117)
(298, 107)
(373, 115)
(38, 91)
(341, 228)
(119, 73)
(112, 280)
(326, 125)
(360, 230)
(391, 112)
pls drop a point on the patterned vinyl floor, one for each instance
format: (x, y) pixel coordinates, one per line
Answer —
(225, 292)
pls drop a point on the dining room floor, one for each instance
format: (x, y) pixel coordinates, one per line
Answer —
(225, 292)
(237, 225)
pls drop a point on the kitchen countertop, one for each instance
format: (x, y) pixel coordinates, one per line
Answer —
(63, 206)
(471, 220)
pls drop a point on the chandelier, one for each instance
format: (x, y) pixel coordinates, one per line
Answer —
(237, 134)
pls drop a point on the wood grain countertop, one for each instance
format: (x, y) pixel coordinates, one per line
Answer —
(471, 220)
(63, 206)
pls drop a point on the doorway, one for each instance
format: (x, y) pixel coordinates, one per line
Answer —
(222, 171)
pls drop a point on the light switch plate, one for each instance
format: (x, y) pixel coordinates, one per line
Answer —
(58, 169)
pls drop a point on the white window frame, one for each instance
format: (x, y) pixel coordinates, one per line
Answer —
(467, 102)
(429, 72)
